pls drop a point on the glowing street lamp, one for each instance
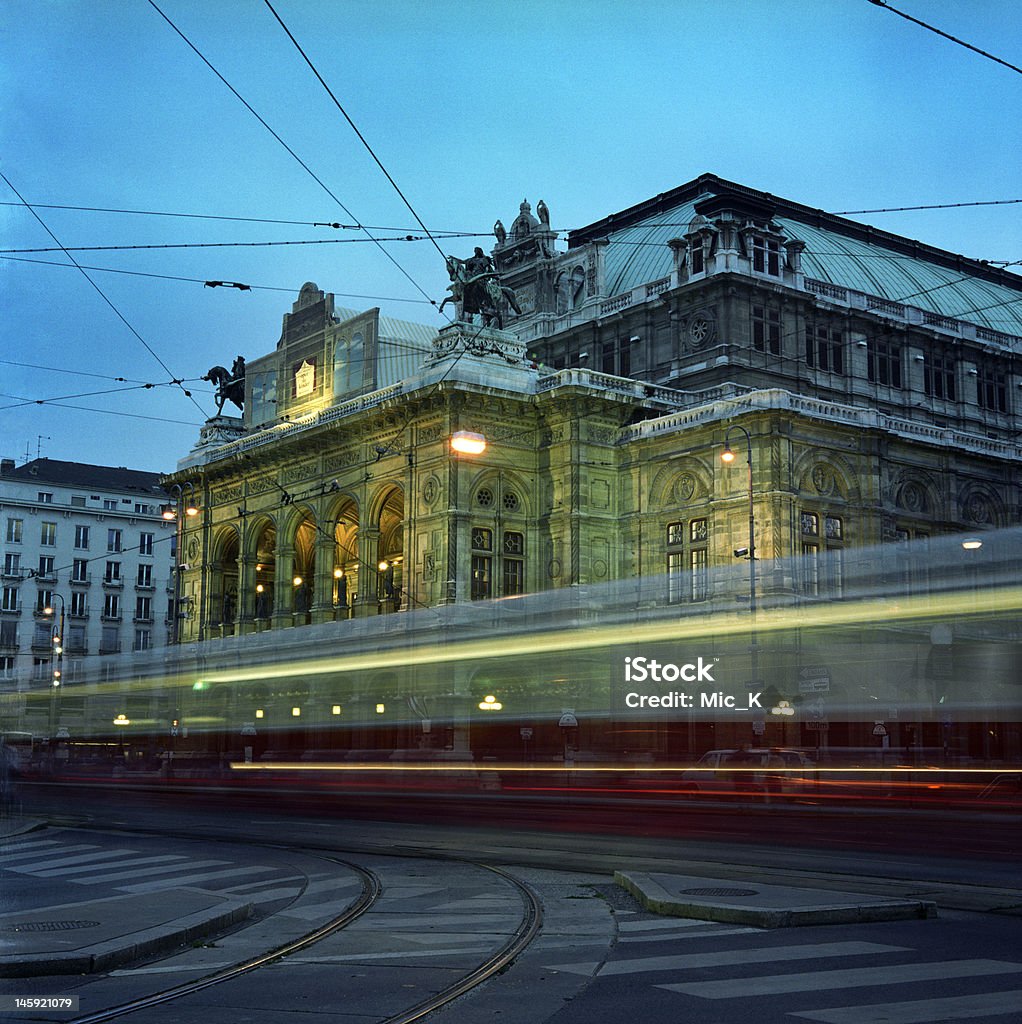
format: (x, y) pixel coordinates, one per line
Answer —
(467, 443)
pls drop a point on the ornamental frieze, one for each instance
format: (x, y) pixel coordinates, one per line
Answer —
(302, 472)
(223, 495)
(341, 460)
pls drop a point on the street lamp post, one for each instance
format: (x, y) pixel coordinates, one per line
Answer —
(172, 513)
(57, 676)
(727, 457)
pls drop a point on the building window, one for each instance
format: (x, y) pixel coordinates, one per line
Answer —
(111, 606)
(46, 566)
(513, 575)
(113, 540)
(14, 527)
(109, 642)
(144, 609)
(608, 362)
(7, 663)
(696, 252)
(80, 571)
(766, 330)
(45, 497)
(82, 538)
(9, 633)
(48, 535)
(687, 569)
(145, 543)
(9, 602)
(43, 600)
(939, 376)
(145, 576)
(992, 388)
(824, 348)
(822, 562)
(113, 572)
(12, 563)
(884, 363)
(110, 504)
(78, 500)
(143, 509)
(143, 639)
(766, 255)
(482, 561)
(79, 602)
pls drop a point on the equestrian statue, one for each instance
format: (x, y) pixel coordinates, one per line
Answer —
(230, 385)
(475, 288)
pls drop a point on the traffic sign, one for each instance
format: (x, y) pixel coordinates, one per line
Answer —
(814, 679)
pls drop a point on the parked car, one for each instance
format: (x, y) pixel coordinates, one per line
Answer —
(761, 771)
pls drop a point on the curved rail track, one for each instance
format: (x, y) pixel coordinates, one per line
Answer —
(372, 889)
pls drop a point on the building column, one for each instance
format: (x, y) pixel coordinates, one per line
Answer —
(323, 591)
(246, 594)
(283, 588)
(368, 556)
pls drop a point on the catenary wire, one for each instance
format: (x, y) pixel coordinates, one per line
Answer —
(224, 217)
(225, 245)
(354, 128)
(108, 412)
(303, 164)
(202, 280)
(101, 293)
(931, 206)
(954, 39)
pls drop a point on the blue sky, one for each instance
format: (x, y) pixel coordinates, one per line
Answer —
(472, 107)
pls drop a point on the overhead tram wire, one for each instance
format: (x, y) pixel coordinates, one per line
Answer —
(201, 280)
(929, 206)
(244, 220)
(107, 412)
(225, 245)
(354, 128)
(300, 161)
(103, 295)
(975, 49)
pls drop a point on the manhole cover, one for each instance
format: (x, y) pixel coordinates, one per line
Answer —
(50, 926)
(713, 891)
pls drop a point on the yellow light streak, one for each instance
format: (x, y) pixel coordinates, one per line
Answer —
(673, 630)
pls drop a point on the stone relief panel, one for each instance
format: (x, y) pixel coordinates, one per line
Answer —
(680, 484)
(300, 472)
(223, 495)
(341, 460)
(981, 506)
(431, 491)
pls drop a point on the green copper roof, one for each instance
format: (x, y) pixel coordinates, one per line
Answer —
(637, 253)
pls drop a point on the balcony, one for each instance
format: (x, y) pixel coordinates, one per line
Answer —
(145, 588)
(145, 620)
(82, 581)
(113, 582)
(12, 573)
(110, 618)
(79, 615)
(110, 647)
(14, 610)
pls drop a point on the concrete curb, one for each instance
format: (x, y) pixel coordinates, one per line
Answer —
(766, 906)
(103, 956)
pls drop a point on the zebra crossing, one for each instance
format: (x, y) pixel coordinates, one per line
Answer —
(135, 869)
(786, 979)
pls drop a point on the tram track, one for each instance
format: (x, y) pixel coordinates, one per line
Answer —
(372, 888)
